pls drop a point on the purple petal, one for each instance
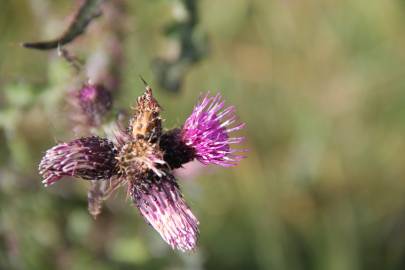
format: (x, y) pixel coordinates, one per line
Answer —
(207, 130)
(90, 158)
(161, 203)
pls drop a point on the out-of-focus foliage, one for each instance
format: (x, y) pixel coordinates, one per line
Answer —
(89, 10)
(321, 87)
(188, 45)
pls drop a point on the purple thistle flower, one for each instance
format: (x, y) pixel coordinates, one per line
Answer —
(161, 203)
(90, 105)
(207, 130)
(90, 158)
(142, 158)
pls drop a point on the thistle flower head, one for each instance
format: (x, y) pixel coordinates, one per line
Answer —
(161, 203)
(90, 103)
(94, 99)
(90, 158)
(143, 156)
(207, 130)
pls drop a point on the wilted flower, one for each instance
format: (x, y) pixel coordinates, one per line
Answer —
(142, 158)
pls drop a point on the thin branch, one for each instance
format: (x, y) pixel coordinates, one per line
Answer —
(71, 59)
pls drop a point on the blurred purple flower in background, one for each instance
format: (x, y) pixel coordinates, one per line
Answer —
(90, 105)
(143, 157)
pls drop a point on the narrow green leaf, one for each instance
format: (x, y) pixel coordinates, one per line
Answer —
(87, 12)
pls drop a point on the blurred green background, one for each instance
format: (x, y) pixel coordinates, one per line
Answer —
(321, 86)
